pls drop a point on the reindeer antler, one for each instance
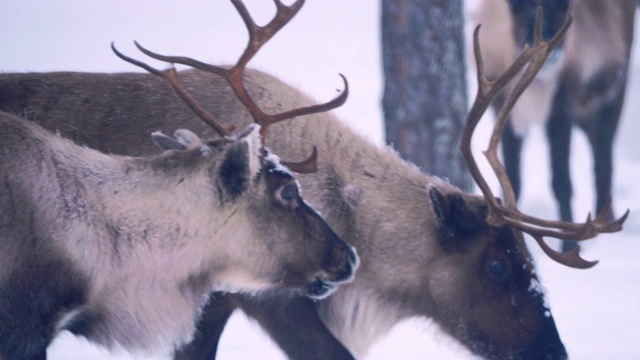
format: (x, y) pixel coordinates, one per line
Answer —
(258, 36)
(508, 214)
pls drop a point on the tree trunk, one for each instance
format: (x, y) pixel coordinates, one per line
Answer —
(425, 96)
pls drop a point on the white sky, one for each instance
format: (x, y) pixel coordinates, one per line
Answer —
(326, 38)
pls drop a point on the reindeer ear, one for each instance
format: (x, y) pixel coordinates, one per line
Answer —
(233, 172)
(251, 136)
(184, 139)
(240, 163)
(188, 138)
(457, 219)
(165, 142)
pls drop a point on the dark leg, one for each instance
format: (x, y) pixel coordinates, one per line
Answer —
(600, 126)
(602, 147)
(40, 354)
(511, 149)
(31, 301)
(293, 323)
(28, 347)
(559, 135)
(208, 331)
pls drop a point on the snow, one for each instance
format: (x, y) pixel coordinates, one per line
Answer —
(595, 310)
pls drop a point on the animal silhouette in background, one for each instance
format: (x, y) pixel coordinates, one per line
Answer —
(584, 84)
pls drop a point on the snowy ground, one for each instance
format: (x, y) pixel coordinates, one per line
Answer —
(596, 310)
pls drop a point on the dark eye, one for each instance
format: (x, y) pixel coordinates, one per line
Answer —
(498, 268)
(289, 192)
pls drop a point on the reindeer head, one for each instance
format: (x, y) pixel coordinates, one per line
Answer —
(524, 13)
(499, 312)
(296, 247)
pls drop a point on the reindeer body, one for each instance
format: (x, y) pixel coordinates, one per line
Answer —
(583, 85)
(424, 245)
(124, 251)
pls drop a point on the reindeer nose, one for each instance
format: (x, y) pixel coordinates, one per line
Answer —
(342, 264)
(326, 281)
(341, 260)
(547, 346)
(353, 261)
(319, 288)
(339, 266)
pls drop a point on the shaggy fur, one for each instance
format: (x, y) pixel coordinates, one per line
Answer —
(381, 204)
(124, 251)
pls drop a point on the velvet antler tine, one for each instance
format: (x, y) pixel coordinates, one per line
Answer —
(258, 36)
(135, 62)
(308, 166)
(508, 214)
(314, 109)
(570, 259)
(171, 76)
(182, 60)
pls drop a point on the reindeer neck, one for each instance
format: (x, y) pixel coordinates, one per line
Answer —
(154, 233)
(378, 203)
(364, 192)
(132, 204)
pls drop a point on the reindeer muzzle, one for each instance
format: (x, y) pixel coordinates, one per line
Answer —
(547, 346)
(341, 262)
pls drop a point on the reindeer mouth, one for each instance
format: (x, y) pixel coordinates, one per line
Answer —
(319, 289)
(326, 282)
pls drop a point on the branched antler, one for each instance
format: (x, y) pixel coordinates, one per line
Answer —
(507, 214)
(258, 36)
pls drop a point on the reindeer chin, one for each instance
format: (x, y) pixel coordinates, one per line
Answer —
(319, 289)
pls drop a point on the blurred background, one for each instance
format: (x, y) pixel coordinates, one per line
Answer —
(595, 310)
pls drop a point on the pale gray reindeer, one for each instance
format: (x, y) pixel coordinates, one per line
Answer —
(427, 249)
(584, 83)
(125, 250)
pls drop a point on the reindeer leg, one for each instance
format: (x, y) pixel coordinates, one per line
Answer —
(41, 355)
(34, 296)
(32, 354)
(511, 150)
(608, 89)
(293, 323)
(204, 345)
(559, 125)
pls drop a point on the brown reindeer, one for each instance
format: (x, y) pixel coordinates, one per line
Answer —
(125, 250)
(426, 248)
(583, 84)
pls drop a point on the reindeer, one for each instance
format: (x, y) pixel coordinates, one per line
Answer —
(584, 84)
(426, 248)
(125, 250)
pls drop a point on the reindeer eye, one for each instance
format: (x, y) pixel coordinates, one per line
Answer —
(498, 268)
(289, 192)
